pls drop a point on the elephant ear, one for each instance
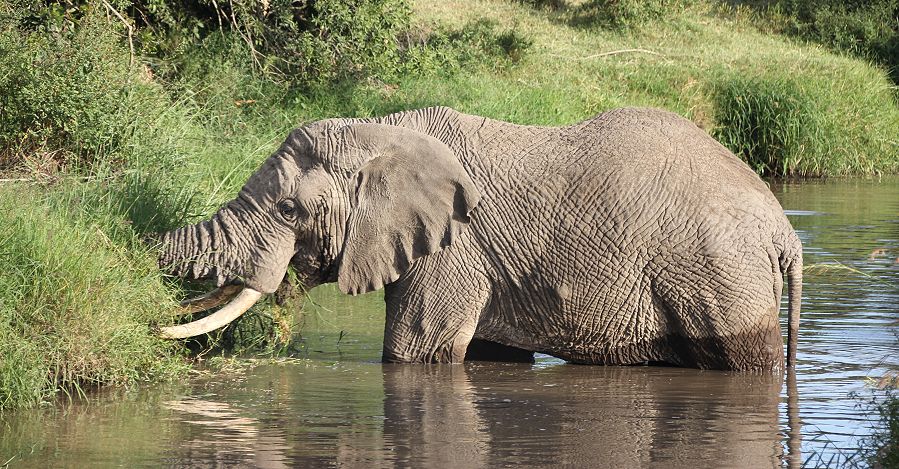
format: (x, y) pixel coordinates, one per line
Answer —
(412, 198)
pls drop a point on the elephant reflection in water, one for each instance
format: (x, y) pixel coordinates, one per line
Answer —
(431, 417)
(237, 440)
(498, 415)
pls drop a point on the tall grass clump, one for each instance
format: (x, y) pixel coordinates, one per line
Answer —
(296, 42)
(771, 124)
(798, 123)
(75, 307)
(883, 446)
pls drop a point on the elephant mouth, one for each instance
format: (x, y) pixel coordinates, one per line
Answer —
(240, 298)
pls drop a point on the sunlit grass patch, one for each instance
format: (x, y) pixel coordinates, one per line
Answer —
(75, 307)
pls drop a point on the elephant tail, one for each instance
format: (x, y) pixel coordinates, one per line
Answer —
(791, 263)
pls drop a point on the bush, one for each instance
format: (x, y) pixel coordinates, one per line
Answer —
(344, 41)
(618, 14)
(447, 51)
(631, 13)
(65, 93)
(301, 42)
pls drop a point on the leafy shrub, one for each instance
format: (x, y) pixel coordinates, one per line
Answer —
(854, 28)
(448, 50)
(65, 93)
(629, 13)
(348, 40)
(314, 43)
(302, 42)
(317, 42)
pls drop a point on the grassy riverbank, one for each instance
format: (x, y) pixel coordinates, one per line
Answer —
(102, 144)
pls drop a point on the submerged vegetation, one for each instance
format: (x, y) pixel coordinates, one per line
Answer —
(120, 119)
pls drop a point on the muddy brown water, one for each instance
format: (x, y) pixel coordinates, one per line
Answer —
(333, 404)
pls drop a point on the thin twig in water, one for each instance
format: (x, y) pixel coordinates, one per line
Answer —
(610, 53)
(833, 266)
(128, 27)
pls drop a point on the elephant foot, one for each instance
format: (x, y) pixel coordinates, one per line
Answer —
(487, 351)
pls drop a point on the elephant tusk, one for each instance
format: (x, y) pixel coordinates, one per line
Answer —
(221, 318)
(209, 300)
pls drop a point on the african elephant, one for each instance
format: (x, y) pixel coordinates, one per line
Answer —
(631, 237)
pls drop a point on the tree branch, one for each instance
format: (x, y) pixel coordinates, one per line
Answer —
(127, 26)
(614, 52)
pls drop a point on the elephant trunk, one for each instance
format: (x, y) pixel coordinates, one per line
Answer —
(204, 251)
(216, 250)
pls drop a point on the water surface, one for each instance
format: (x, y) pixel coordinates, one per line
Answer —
(334, 404)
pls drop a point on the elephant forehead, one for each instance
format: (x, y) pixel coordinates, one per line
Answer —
(275, 179)
(320, 138)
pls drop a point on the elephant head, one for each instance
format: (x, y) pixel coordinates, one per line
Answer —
(341, 200)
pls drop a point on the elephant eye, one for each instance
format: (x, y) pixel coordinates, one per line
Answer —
(289, 209)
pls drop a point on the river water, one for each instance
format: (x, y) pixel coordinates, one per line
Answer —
(332, 403)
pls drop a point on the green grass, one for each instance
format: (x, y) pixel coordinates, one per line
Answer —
(75, 306)
(867, 29)
(184, 131)
(817, 113)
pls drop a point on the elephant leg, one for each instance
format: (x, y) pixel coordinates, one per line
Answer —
(745, 334)
(725, 330)
(433, 310)
(487, 351)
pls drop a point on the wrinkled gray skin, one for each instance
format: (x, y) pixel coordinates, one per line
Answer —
(631, 237)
